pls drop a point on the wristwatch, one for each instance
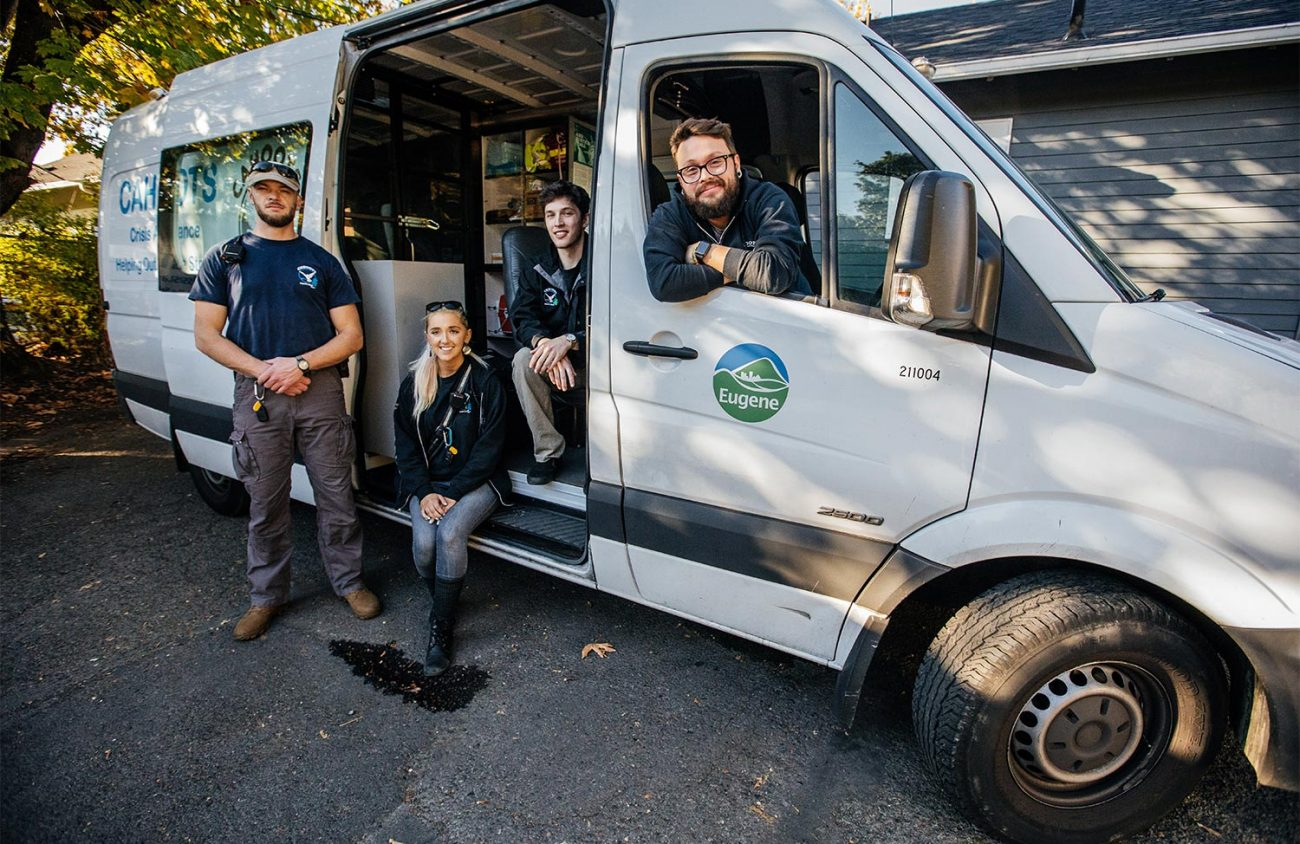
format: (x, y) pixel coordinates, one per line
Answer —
(701, 250)
(303, 366)
(573, 340)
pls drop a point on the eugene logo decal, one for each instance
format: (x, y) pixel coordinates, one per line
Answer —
(751, 382)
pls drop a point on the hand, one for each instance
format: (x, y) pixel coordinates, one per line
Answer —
(563, 375)
(283, 376)
(548, 353)
(434, 506)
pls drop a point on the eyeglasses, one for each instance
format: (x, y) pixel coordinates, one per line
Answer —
(283, 169)
(450, 304)
(690, 174)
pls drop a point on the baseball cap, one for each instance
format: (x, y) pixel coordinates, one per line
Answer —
(273, 171)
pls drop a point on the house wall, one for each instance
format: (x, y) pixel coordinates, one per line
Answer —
(1186, 171)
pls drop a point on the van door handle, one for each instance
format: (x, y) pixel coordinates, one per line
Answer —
(641, 347)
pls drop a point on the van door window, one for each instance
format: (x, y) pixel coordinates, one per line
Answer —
(871, 164)
(201, 200)
(774, 110)
(402, 196)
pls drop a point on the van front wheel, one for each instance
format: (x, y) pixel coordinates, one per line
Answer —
(1063, 707)
(225, 495)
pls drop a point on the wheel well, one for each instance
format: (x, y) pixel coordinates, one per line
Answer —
(178, 454)
(915, 622)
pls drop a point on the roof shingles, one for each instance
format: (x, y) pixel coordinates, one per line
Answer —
(1003, 28)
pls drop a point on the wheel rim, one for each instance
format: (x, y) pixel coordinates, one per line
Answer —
(1088, 733)
(217, 481)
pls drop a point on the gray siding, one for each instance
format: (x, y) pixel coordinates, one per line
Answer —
(1186, 172)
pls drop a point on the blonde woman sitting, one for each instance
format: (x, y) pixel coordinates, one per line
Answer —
(450, 434)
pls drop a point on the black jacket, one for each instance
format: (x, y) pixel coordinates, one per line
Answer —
(543, 308)
(478, 434)
(765, 228)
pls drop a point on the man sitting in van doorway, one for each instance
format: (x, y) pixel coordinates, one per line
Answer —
(721, 227)
(290, 316)
(549, 314)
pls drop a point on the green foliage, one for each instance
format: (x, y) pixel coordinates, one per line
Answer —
(105, 56)
(49, 279)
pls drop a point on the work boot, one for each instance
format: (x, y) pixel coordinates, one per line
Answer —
(543, 471)
(442, 619)
(254, 622)
(363, 602)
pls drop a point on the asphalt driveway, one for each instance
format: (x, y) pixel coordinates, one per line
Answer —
(129, 713)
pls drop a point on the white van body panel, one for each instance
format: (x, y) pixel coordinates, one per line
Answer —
(282, 83)
(602, 417)
(128, 230)
(853, 435)
(287, 82)
(152, 420)
(1158, 466)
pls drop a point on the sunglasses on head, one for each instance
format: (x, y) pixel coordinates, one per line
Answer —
(283, 169)
(450, 304)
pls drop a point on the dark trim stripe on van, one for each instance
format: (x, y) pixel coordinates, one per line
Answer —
(149, 392)
(211, 421)
(605, 511)
(808, 558)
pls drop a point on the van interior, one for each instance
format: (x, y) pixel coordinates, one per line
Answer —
(449, 135)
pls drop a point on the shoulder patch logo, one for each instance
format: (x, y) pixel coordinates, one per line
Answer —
(307, 276)
(751, 383)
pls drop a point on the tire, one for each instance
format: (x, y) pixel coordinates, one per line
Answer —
(225, 495)
(1063, 707)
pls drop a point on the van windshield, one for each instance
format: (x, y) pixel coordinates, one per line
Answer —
(1116, 277)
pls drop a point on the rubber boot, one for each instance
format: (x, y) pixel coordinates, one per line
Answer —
(442, 619)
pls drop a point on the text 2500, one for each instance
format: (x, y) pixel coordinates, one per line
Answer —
(919, 373)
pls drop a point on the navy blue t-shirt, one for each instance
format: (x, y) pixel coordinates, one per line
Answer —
(278, 298)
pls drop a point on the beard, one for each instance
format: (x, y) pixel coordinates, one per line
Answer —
(721, 206)
(274, 220)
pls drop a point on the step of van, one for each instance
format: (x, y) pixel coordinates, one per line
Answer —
(540, 526)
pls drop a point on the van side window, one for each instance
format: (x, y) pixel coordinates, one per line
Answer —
(871, 164)
(201, 200)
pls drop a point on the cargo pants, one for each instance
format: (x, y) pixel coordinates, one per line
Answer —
(534, 393)
(317, 425)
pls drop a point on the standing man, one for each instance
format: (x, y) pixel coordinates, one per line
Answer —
(549, 314)
(722, 227)
(290, 317)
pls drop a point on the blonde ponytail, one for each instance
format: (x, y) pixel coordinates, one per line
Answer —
(425, 378)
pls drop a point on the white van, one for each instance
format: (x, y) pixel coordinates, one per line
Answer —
(976, 413)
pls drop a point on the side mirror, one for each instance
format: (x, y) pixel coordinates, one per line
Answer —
(932, 272)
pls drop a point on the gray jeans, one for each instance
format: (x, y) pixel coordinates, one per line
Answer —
(442, 548)
(534, 393)
(316, 424)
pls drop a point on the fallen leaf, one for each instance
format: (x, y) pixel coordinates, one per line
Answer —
(324, 734)
(600, 649)
(761, 780)
(758, 809)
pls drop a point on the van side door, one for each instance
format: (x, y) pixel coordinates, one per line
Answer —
(779, 448)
